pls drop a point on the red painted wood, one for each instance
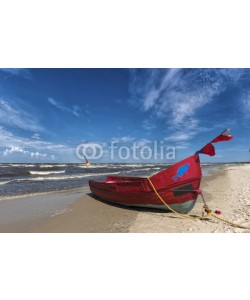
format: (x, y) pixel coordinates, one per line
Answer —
(137, 190)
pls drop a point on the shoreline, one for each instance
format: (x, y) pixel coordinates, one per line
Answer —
(131, 220)
(90, 215)
(76, 211)
(48, 193)
(26, 213)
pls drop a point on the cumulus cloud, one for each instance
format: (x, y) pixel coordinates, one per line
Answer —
(15, 143)
(20, 150)
(38, 155)
(12, 150)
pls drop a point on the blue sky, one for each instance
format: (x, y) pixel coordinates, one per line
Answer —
(46, 113)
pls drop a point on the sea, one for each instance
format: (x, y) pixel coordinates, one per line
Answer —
(28, 179)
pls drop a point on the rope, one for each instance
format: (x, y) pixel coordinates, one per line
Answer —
(229, 222)
(170, 208)
(206, 209)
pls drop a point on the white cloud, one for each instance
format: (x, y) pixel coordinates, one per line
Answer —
(38, 155)
(36, 136)
(12, 141)
(124, 139)
(20, 150)
(246, 101)
(75, 109)
(186, 132)
(148, 125)
(141, 143)
(151, 98)
(175, 96)
(181, 147)
(179, 136)
(132, 141)
(25, 73)
(127, 139)
(12, 150)
(14, 116)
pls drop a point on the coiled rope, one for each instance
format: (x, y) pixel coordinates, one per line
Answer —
(206, 209)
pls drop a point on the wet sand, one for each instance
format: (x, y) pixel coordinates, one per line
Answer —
(24, 213)
(71, 211)
(226, 189)
(90, 215)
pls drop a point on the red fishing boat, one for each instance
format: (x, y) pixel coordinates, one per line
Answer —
(178, 185)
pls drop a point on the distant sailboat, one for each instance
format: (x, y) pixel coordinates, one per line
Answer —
(87, 162)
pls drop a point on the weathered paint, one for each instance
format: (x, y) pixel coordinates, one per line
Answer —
(182, 208)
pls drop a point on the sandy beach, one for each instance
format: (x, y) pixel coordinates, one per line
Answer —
(226, 189)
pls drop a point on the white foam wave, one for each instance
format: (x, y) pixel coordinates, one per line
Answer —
(53, 178)
(22, 165)
(78, 190)
(5, 182)
(93, 166)
(46, 166)
(145, 169)
(101, 174)
(46, 172)
(114, 166)
(66, 177)
(52, 165)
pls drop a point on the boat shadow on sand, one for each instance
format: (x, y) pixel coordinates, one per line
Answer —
(140, 209)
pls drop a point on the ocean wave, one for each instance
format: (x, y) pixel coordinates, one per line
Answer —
(5, 182)
(145, 169)
(22, 165)
(53, 165)
(113, 166)
(19, 173)
(46, 172)
(47, 166)
(92, 167)
(66, 177)
(35, 194)
(126, 165)
(52, 178)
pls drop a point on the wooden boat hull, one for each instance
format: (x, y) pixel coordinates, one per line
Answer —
(178, 186)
